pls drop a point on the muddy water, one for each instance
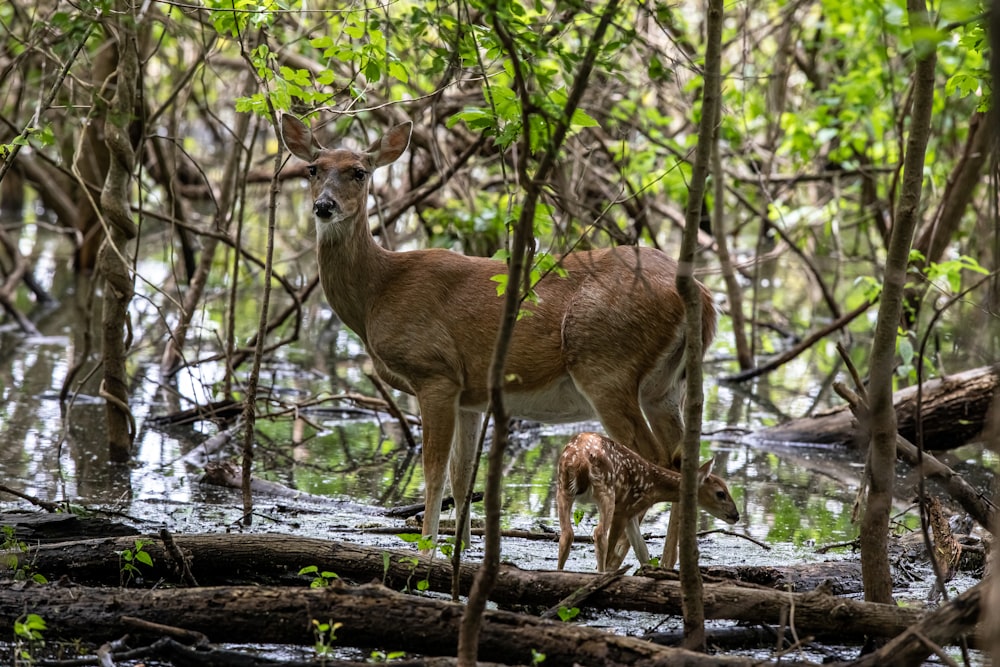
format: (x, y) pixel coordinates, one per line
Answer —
(792, 499)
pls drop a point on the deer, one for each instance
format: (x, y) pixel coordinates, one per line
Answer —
(604, 338)
(624, 486)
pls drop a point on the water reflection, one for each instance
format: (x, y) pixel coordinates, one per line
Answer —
(309, 441)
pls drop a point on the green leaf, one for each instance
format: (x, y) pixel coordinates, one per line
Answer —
(582, 119)
(905, 350)
(410, 538)
(501, 280)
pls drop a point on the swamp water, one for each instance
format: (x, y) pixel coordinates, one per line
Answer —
(314, 438)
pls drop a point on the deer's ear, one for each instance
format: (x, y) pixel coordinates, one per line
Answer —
(706, 469)
(390, 146)
(298, 138)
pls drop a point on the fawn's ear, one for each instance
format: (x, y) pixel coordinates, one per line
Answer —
(705, 470)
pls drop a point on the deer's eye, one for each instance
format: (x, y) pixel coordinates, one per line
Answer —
(359, 174)
(312, 171)
(720, 495)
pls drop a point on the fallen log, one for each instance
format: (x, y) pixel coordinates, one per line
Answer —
(954, 411)
(368, 616)
(221, 558)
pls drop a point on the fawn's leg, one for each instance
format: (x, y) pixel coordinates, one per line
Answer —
(564, 505)
(604, 496)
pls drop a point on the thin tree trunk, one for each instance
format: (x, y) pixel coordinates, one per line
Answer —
(120, 229)
(733, 290)
(694, 609)
(991, 620)
(518, 278)
(882, 455)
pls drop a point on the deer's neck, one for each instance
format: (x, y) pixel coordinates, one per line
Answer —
(352, 269)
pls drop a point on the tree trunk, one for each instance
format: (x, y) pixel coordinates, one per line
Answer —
(882, 455)
(694, 611)
(116, 205)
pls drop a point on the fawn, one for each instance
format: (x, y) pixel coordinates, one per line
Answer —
(624, 486)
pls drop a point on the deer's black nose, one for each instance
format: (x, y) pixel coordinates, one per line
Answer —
(324, 208)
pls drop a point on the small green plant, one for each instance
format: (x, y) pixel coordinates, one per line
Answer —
(11, 552)
(28, 630)
(320, 579)
(567, 614)
(128, 560)
(578, 515)
(424, 543)
(414, 562)
(381, 656)
(325, 634)
(447, 547)
(537, 658)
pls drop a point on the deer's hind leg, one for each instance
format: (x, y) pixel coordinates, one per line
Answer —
(461, 469)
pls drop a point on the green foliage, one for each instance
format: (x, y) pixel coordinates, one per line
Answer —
(28, 629)
(424, 543)
(324, 635)
(12, 552)
(950, 272)
(130, 559)
(381, 656)
(537, 657)
(578, 514)
(568, 614)
(320, 579)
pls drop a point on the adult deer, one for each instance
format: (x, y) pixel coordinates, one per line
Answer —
(604, 341)
(624, 486)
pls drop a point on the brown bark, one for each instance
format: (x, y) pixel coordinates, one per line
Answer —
(954, 411)
(880, 468)
(220, 559)
(936, 237)
(372, 616)
(694, 344)
(116, 207)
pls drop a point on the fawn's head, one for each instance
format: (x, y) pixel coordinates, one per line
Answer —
(714, 496)
(339, 178)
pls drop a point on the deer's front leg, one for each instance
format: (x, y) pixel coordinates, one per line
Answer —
(438, 414)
